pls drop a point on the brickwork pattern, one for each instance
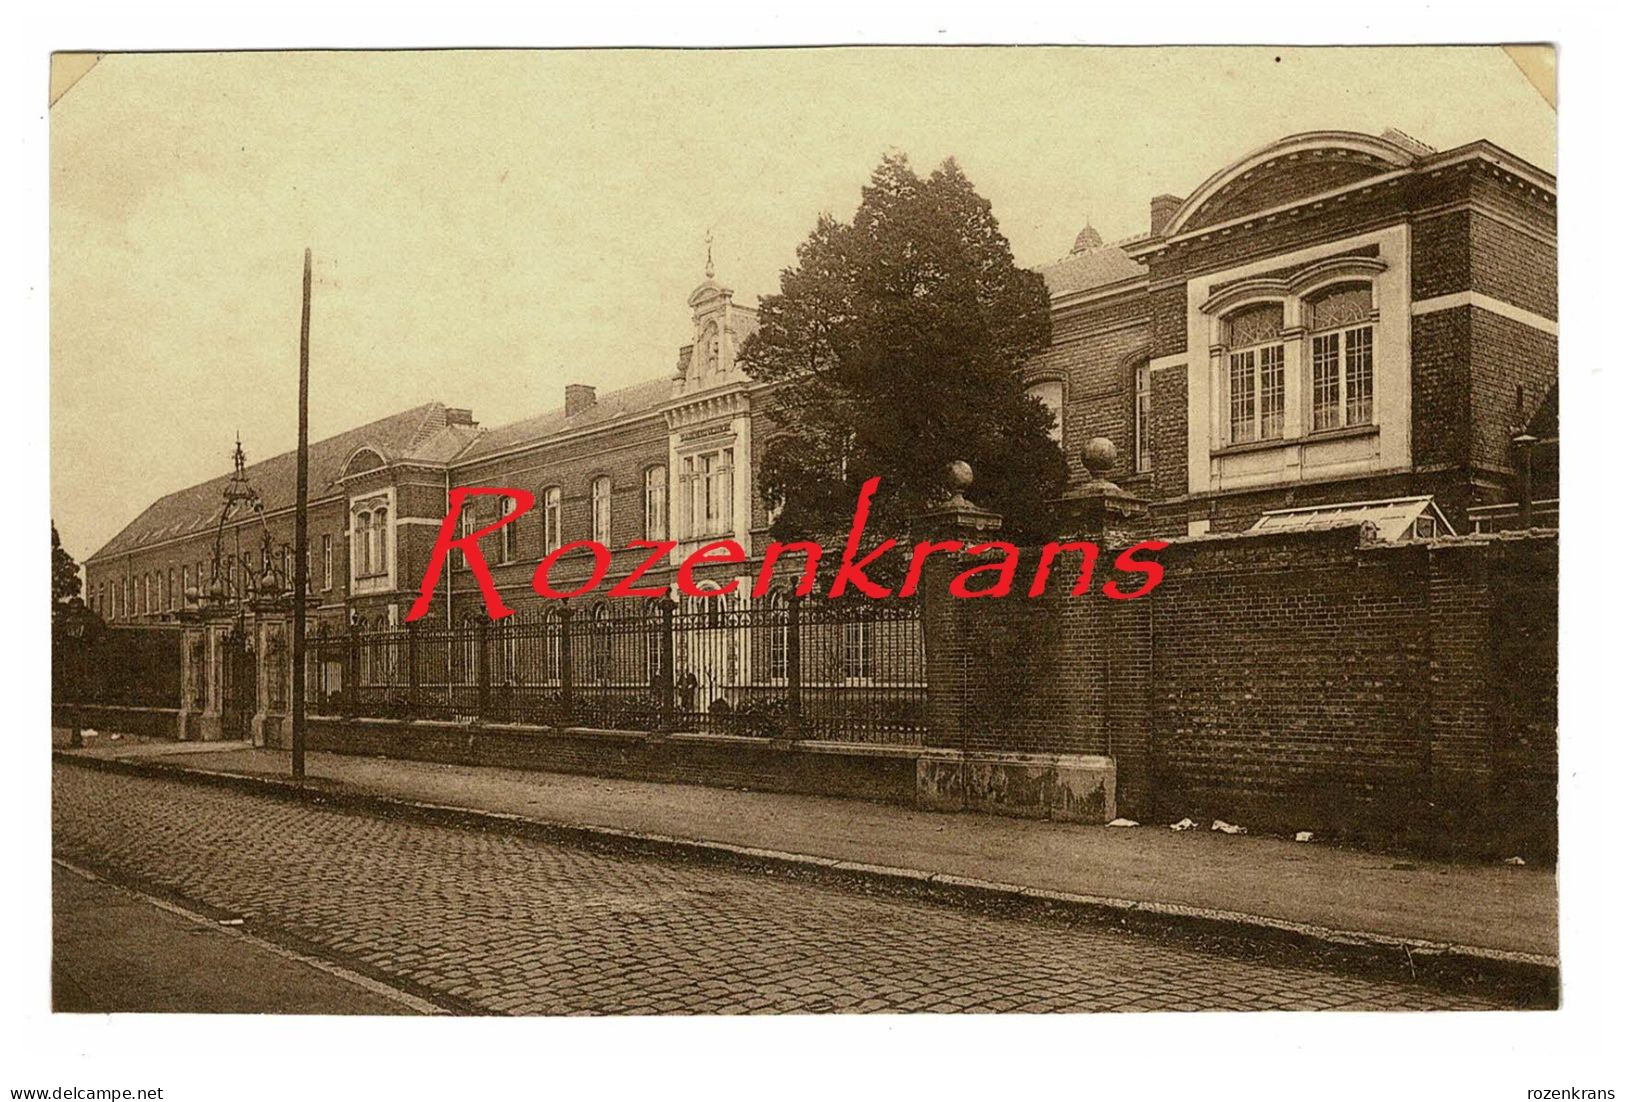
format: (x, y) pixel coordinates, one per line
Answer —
(1401, 694)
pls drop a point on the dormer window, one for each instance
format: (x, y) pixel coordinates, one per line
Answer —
(1342, 364)
(1257, 377)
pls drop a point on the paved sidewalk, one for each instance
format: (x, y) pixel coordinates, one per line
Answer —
(1479, 906)
(116, 951)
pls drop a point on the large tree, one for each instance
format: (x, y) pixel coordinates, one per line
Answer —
(898, 339)
(65, 582)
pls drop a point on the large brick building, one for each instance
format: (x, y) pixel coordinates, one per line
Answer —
(1335, 318)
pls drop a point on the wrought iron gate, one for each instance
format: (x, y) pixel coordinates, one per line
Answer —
(237, 685)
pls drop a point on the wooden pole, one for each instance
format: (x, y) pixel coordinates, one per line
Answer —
(301, 534)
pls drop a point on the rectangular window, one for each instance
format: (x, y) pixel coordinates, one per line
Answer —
(1271, 392)
(327, 562)
(508, 532)
(1243, 398)
(1326, 383)
(1358, 369)
(858, 650)
(1142, 417)
(552, 537)
(707, 493)
(600, 510)
(654, 503)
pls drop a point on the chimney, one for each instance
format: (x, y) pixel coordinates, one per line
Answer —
(579, 397)
(460, 417)
(1163, 208)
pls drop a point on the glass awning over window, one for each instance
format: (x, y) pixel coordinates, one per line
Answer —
(1399, 518)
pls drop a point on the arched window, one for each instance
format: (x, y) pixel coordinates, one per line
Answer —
(385, 642)
(600, 642)
(1051, 394)
(363, 545)
(1342, 366)
(778, 640)
(509, 547)
(470, 652)
(552, 520)
(1257, 376)
(380, 538)
(186, 582)
(600, 509)
(174, 593)
(1142, 416)
(654, 625)
(654, 503)
(553, 647)
(364, 652)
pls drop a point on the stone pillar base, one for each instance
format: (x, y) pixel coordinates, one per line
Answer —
(1069, 788)
(270, 730)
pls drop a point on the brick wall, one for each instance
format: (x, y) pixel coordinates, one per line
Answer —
(1398, 694)
(1513, 368)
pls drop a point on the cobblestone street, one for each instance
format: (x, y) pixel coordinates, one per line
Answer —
(506, 924)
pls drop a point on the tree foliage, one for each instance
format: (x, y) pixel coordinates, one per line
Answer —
(898, 338)
(65, 582)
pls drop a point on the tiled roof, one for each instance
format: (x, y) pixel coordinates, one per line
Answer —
(1087, 270)
(196, 508)
(617, 403)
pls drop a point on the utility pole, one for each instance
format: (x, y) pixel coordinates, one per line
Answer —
(301, 534)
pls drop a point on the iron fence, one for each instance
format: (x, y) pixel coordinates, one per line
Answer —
(782, 668)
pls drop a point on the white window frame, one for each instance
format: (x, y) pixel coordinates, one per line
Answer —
(1336, 338)
(656, 515)
(1142, 417)
(707, 490)
(1251, 360)
(508, 547)
(601, 491)
(552, 519)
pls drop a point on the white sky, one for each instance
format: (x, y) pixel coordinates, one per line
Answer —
(490, 226)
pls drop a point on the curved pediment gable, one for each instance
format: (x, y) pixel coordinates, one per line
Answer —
(362, 460)
(1286, 172)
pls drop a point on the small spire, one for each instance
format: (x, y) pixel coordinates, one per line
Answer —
(710, 269)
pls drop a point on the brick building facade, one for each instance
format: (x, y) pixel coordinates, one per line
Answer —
(1334, 318)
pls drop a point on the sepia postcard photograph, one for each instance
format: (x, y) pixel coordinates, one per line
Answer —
(820, 530)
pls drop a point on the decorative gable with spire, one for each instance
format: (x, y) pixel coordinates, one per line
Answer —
(720, 328)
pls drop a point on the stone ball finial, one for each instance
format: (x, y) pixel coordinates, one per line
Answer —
(1099, 456)
(960, 476)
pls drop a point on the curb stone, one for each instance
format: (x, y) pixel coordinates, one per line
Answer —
(1528, 980)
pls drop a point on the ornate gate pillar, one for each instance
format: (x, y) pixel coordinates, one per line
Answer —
(194, 677)
(208, 656)
(273, 672)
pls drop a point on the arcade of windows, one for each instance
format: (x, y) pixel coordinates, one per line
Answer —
(1339, 370)
(600, 495)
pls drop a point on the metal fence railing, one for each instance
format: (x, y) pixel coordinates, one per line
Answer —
(786, 668)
